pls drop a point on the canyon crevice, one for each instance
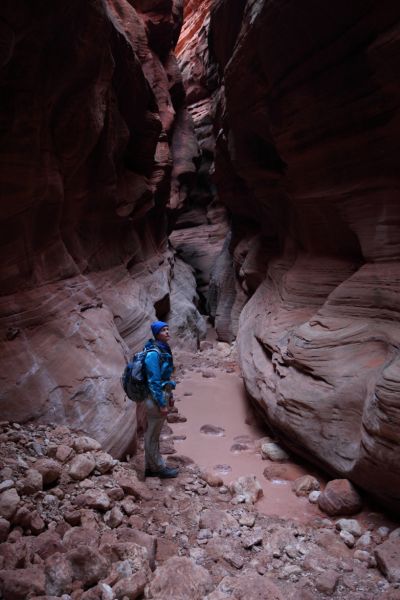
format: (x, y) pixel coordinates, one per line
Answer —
(279, 119)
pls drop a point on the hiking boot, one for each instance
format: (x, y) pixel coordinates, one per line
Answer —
(165, 473)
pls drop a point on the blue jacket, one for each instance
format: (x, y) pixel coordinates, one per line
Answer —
(159, 366)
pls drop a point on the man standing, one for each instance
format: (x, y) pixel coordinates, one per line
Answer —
(159, 367)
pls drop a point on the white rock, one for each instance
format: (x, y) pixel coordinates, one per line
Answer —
(313, 497)
(274, 452)
(365, 540)
(224, 348)
(395, 534)
(6, 485)
(347, 538)
(362, 555)
(350, 525)
(383, 531)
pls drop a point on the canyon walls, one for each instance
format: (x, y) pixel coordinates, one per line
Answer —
(91, 95)
(307, 144)
(200, 220)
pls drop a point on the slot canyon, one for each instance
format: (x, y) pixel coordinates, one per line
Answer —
(228, 167)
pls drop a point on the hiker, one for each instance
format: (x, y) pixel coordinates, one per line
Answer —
(159, 367)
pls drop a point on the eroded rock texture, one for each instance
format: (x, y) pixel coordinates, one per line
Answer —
(87, 120)
(200, 221)
(307, 162)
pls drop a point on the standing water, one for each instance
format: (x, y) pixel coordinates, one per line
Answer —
(221, 434)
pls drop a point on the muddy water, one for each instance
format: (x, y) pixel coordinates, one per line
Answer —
(232, 451)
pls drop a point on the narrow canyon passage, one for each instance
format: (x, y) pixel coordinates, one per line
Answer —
(232, 162)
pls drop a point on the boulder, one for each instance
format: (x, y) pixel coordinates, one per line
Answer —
(84, 444)
(104, 462)
(340, 498)
(133, 487)
(249, 586)
(180, 578)
(388, 558)
(350, 525)
(4, 529)
(217, 520)
(274, 452)
(96, 499)
(9, 501)
(50, 470)
(88, 565)
(19, 584)
(32, 482)
(81, 466)
(303, 486)
(59, 574)
(63, 453)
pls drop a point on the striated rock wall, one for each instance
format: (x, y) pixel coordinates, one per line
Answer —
(307, 162)
(87, 121)
(200, 220)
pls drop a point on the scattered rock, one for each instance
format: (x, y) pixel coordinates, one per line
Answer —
(114, 517)
(208, 374)
(212, 430)
(88, 565)
(96, 499)
(246, 489)
(326, 583)
(212, 479)
(313, 497)
(20, 584)
(50, 470)
(340, 498)
(82, 466)
(64, 453)
(217, 520)
(350, 525)
(388, 559)
(303, 486)
(32, 482)
(4, 529)
(9, 501)
(249, 586)
(348, 538)
(59, 574)
(254, 538)
(85, 444)
(272, 451)
(247, 520)
(130, 587)
(5, 485)
(104, 462)
(133, 487)
(181, 579)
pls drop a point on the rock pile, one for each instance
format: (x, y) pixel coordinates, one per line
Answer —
(75, 524)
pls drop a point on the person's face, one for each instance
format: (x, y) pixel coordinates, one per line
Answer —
(163, 334)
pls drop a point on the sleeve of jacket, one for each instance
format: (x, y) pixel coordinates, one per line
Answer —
(153, 371)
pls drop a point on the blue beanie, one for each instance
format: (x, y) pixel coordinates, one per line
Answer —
(156, 327)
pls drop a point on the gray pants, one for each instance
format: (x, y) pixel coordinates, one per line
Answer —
(155, 421)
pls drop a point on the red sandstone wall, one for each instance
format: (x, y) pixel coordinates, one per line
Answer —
(87, 119)
(307, 162)
(200, 222)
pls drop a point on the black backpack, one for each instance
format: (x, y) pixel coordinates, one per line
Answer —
(133, 379)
